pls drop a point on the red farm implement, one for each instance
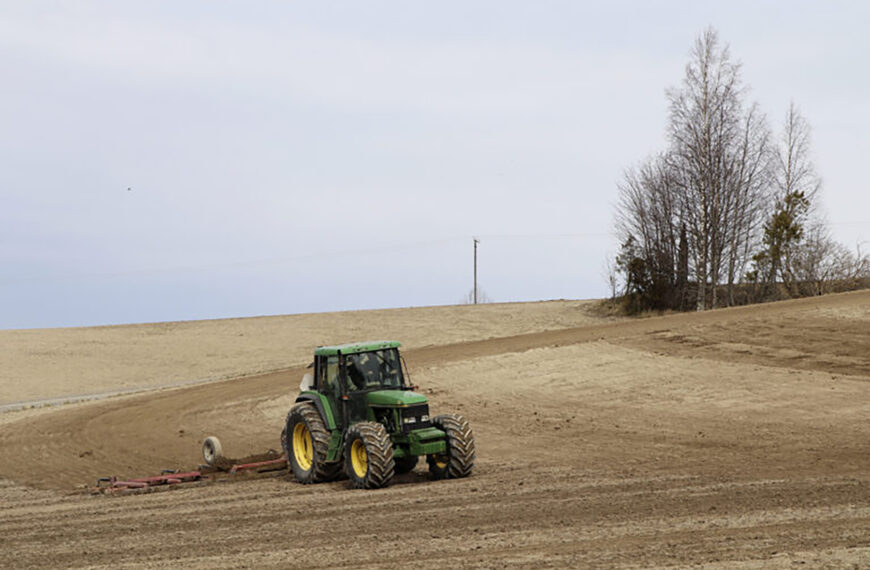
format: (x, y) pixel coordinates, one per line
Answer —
(218, 468)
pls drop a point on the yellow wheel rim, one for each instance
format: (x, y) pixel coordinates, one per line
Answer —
(359, 459)
(303, 450)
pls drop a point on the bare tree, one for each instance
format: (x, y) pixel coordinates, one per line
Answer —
(796, 185)
(748, 197)
(482, 297)
(697, 208)
(724, 196)
(823, 265)
(611, 275)
(647, 220)
(818, 261)
(704, 131)
(795, 171)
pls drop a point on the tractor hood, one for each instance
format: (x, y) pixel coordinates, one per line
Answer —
(395, 398)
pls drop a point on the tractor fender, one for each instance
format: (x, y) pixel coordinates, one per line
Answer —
(322, 404)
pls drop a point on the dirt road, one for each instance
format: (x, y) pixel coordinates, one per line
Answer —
(733, 438)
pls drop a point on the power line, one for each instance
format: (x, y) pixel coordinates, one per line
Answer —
(287, 259)
(548, 236)
(234, 264)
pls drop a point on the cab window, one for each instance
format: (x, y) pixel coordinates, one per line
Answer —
(332, 384)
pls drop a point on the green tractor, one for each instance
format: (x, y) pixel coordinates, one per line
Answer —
(357, 415)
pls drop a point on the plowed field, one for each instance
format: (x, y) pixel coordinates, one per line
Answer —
(727, 439)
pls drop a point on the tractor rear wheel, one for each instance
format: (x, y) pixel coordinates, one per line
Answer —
(306, 442)
(368, 456)
(458, 460)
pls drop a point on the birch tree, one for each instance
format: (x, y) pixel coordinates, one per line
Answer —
(796, 185)
(705, 193)
(719, 152)
(723, 195)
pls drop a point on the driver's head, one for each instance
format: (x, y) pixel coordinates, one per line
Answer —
(355, 375)
(369, 367)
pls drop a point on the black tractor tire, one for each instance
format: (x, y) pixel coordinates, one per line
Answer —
(406, 464)
(458, 461)
(368, 456)
(306, 452)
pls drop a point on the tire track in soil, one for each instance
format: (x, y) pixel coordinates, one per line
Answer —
(504, 517)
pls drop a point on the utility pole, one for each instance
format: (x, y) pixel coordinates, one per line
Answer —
(475, 269)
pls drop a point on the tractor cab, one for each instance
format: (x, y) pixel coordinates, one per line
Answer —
(359, 401)
(357, 377)
(357, 367)
(376, 370)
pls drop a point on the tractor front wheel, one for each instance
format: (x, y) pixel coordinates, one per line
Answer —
(368, 456)
(458, 460)
(306, 442)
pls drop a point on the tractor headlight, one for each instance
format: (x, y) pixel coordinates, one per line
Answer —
(411, 420)
(424, 418)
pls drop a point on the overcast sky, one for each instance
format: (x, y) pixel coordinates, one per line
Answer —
(286, 157)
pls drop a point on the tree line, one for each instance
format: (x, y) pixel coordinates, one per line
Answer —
(727, 214)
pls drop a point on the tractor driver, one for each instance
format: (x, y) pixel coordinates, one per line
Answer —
(355, 377)
(361, 372)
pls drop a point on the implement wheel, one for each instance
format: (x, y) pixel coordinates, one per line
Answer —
(458, 461)
(212, 450)
(305, 440)
(368, 456)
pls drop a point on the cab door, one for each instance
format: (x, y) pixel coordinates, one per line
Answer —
(329, 384)
(356, 403)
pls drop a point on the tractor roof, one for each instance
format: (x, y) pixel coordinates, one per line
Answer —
(356, 347)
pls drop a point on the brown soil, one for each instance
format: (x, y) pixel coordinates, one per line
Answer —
(727, 439)
(42, 364)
